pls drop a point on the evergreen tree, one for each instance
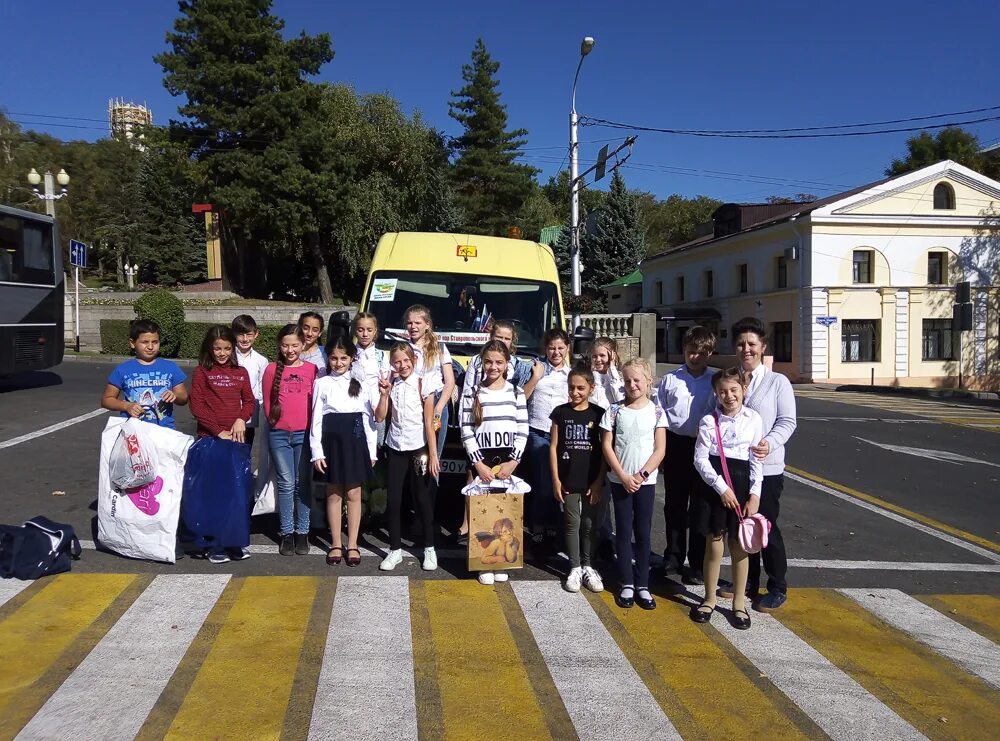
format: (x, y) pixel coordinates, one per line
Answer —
(618, 241)
(492, 186)
(953, 143)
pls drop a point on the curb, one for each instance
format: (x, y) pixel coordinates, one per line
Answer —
(986, 398)
(72, 357)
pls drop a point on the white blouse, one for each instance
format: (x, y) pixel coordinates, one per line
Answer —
(608, 389)
(405, 431)
(371, 362)
(331, 395)
(739, 433)
(433, 377)
(551, 391)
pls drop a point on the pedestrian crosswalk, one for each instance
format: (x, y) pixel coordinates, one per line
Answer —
(122, 656)
(965, 415)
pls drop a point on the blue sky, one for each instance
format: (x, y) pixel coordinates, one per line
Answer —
(669, 64)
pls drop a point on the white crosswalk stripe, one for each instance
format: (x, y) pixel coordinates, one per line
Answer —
(10, 588)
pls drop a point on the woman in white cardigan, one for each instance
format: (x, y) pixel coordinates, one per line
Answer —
(770, 395)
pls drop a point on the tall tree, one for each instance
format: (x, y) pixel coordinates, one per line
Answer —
(249, 107)
(953, 143)
(673, 221)
(492, 186)
(558, 194)
(618, 241)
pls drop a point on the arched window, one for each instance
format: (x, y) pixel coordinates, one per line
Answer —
(944, 196)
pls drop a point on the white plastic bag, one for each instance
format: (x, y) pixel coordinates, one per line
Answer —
(264, 485)
(263, 503)
(141, 522)
(133, 456)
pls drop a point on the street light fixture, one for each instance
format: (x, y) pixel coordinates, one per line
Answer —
(130, 272)
(49, 196)
(586, 46)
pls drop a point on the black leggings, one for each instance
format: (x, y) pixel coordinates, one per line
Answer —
(403, 474)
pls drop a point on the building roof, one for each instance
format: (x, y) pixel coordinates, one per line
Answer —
(631, 279)
(549, 235)
(754, 216)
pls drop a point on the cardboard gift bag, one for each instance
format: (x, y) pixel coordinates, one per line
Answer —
(496, 524)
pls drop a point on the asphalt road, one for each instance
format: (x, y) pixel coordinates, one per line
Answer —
(858, 511)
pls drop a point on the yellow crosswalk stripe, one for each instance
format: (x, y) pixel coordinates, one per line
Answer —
(243, 686)
(50, 633)
(979, 418)
(921, 686)
(979, 612)
(480, 676)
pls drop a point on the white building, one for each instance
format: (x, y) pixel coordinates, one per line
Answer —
(854, 286)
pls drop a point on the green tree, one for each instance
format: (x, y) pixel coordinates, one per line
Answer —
(953, 143)
(618, 241)
(492, 186)
(250, 116)
(673, 221)
(558, 194)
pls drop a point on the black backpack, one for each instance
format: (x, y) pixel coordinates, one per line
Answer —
(39, 547)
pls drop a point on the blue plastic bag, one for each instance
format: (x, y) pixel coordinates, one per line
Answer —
(218, 495)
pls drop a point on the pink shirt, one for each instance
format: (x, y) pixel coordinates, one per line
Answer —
(294, 395)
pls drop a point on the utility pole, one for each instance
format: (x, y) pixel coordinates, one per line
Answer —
(574, 166)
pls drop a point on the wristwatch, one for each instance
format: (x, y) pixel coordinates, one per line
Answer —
(645, 475)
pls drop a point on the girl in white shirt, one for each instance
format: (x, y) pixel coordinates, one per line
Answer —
(433, 366)
(370, 364)
(729, 491)
(342, 441)
(494, 420)
(635, 439)
(609, 388)
(411, 448)
(547, 389)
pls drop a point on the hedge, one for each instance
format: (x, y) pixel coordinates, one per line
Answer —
(167, 310)
(114, 338)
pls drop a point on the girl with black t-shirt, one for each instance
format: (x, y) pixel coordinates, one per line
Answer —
(578, 469)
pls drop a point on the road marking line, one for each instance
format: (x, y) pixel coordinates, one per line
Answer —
(965, 540)
(601, 690)
(831, 698)
(977, 612)
(966, 648)
(41, 641)
(11, 588)
(481, 678)
(430, 717)
(51, 428)
(920, 685)
(378, 608)
(113, 690)
(243, 685)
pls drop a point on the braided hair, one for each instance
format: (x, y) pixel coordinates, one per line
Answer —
(279, 369)
(491, 346)
(339, 339)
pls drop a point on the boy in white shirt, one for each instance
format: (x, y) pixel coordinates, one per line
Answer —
(686, 396)
(245, 328)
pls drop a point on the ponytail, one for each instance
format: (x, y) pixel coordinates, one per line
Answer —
(477, 405)
(355, 388)
(279, 369)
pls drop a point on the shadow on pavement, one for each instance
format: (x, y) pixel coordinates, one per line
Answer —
(29, 380)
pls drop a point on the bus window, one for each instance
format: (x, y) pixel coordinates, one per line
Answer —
(26, 254)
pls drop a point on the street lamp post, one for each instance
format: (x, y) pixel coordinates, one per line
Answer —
(130, 272)
(574, 168)
(49, 196)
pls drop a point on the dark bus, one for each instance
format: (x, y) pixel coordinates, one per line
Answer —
(31, 292)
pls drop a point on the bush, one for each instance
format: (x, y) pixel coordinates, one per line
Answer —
(114, 337)
(167, 310)
(194, 333)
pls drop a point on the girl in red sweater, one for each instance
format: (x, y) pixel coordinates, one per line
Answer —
(222, 402)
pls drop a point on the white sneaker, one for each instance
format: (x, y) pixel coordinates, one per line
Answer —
(486, 577)
(392, 560)
(430, 559)
(500, 577)
(592, 580)
(573, 580)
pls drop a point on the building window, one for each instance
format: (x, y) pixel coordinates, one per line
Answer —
(658, 292)
(680, 287)
(744, 278)
(863, 260)
(938, 341)
(781, 333)
(937, 268)
(782, 269)
(859, 341)
(709, 284)
(944, 196)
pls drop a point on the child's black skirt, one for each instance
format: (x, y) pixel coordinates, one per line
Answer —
(493, 457)
(345, 448)
(709, 515)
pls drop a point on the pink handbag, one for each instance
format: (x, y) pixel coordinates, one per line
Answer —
(753, 530)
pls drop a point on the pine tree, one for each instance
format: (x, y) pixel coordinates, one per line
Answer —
(618, 242)
(491, 185)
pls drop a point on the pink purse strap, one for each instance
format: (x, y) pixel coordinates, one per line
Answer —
(722, 459)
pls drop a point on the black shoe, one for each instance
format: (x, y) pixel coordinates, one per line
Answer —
(741, 620)
(701, 613)
(645, 604)
(725, 590)
(301, 544)
(692, 579)
(772, 601)
(671, 566)
(287, 547)
(238, 554)
(624, 602)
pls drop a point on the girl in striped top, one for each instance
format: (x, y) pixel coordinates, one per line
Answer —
(494, 419)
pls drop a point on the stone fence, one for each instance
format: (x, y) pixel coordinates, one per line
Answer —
(635, 334)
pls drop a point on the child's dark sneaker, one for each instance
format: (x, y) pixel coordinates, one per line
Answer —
(238, 554)
(301, 544)
(772, 601)
(218, 557)
(287, 546)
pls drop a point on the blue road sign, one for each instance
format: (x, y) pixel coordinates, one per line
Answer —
(826, 321)
(77, 253)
